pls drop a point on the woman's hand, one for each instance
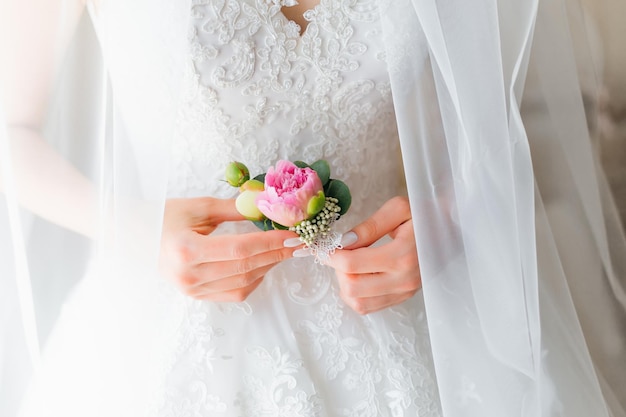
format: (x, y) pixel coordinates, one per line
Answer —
(373, 278)
(217, 268)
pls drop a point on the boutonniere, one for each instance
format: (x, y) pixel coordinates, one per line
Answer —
(294, 196)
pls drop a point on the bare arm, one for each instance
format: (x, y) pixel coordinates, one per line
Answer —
(33, 37)
(207, 267)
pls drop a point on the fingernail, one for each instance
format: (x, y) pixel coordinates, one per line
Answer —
(292, 242)
(301, 253)
(348, 239)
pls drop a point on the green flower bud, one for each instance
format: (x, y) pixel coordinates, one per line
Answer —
(236, 174)
(316, 204)
(246, 206)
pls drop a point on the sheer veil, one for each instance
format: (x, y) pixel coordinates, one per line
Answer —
(512, 213)
(521, 250)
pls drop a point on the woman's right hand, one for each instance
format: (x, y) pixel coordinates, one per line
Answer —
(222, 268)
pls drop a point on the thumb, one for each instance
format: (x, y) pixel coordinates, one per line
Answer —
(391, 215)
(217, 210)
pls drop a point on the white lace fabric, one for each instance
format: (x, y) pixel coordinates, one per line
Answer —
(257, 91)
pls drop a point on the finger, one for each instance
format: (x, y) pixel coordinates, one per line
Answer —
(197, 249)
(212, 271)
(373, 285)
(217, 210)
(392, 214)
(397, 255)
(373, 304)
(201, 214)
(230, 284)
(233, 296)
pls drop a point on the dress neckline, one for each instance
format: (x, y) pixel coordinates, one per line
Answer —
(302, 30)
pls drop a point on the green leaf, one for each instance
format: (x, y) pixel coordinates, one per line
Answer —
(301, 164)
(339, 190)
(264, 225)
(260, 177)
(323, 170)
(279, 226)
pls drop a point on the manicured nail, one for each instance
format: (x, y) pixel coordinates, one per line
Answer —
(292, 242)
(301, 253)
(348, 239)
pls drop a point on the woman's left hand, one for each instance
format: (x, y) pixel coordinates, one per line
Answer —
(374, 278)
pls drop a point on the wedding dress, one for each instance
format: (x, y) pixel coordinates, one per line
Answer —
(257, 91)
(189, 89)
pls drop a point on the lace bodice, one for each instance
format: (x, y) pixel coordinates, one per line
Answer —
(257, 91)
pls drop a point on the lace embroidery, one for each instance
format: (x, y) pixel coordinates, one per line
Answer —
(197, 402)
(248, 48)
(265, 393)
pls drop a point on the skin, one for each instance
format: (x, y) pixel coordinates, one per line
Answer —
(374, 278)
(230, 267)
(46, 183)
(203, 266)
(296, 12)
(216, 268)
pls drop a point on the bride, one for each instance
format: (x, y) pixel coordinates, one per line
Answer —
(186, 310)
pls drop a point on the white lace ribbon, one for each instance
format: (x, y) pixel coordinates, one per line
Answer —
(324, 246)
(323, 243)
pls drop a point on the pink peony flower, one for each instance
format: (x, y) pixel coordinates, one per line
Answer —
(291, 194)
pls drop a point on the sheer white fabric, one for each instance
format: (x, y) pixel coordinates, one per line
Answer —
(495, 260)
(516, 253)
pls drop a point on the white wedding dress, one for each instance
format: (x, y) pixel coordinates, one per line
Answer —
(257, 91)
